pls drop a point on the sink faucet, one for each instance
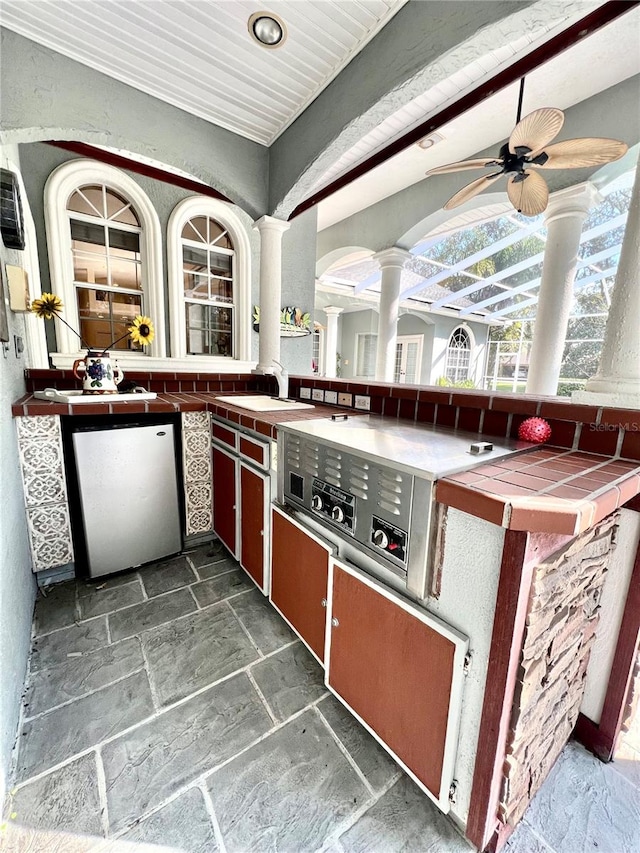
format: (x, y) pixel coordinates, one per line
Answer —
(283, 379)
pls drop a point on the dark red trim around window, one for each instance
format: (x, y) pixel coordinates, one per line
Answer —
(148, 171)
(599, 18)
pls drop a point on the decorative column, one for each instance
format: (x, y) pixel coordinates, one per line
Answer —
(617, 382)
(564, 217)
(331, 340)
(271, 231)
(391, 263)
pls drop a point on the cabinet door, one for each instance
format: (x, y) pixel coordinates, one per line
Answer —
(299, 576)
(401, 671)
(254, 523)
(225, 489)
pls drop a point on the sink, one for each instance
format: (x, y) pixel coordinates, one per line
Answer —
(262, 403)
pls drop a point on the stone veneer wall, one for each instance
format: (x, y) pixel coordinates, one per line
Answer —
(561, 623)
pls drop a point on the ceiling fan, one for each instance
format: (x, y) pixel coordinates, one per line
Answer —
(529, 145)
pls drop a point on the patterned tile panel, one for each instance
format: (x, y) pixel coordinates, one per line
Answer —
(50, 536)
(197, 471)
(38, 426)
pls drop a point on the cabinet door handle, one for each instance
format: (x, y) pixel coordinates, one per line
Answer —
(335, 622)
(323, 603)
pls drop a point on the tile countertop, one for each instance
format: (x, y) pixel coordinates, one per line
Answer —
(546, 490)
(263, 422)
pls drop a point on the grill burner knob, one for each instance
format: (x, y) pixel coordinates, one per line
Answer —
(380, 538)
(316, 502)
(337, 514)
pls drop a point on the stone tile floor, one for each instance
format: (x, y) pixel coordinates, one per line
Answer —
(172, 706)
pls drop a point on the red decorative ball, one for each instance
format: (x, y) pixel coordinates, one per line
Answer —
(536, 430)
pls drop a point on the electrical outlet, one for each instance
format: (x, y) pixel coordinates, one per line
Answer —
(318, 395)
(305, 393)
(331, 397)
(363, 402)
(345, 399)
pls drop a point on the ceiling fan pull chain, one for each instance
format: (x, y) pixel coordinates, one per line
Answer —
(520, 97)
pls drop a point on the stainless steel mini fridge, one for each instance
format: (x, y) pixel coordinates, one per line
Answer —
(128, 490)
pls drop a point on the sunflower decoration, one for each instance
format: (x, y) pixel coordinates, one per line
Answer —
(47, 307)
(140, 331)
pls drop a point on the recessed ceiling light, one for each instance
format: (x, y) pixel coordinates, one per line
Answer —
(267, 29)
(430, 141)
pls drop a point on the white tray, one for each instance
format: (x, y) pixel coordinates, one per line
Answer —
(73, 397)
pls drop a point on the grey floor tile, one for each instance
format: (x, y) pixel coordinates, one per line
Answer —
(148, 614)
(80, 675)
(267, 628)
(65, 731)
(288, 793)
(55, 648)
(189, 653)
(290, 679)
(56, 607)
(145, 766)
(211, 552)
(184, 824)
(209, 591)
(404, 819)
(66, 799)
(87, 586)
(167, 575)
(586, 805)
(107, 600)
(374, 762)
(224, 563)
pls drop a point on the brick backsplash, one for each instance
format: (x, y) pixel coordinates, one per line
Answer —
(606, 431)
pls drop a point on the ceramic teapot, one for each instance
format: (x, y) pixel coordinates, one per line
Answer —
(98, 374)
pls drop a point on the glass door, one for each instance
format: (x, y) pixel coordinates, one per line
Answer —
(408, 359)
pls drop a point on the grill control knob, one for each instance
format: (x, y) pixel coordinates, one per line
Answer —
(337, 514)
(380, 538)
(316, 502)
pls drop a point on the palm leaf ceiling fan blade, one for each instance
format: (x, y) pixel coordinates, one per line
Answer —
(462, 166)
(536, 130)
(471, 190)
(530, 195)
(579, 153)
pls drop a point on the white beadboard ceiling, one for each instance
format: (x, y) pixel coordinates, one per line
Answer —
(199, 55)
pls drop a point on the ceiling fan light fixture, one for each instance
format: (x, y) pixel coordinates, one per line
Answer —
(267, 29)
(430, 141)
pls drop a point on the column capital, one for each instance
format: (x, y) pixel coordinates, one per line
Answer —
(572, 201)
(270, 223)
(332, 310)
(393, 257)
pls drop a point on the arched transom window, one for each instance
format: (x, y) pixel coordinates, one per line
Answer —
(458, 355)
(208, 280)
(107, 265)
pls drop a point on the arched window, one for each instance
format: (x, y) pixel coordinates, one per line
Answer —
(105, 256)
(209, 279)
(458, 355)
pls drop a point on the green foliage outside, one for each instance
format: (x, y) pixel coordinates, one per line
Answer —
(443, 382)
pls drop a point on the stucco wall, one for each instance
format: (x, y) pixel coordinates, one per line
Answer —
(45, 95)
(17, 583)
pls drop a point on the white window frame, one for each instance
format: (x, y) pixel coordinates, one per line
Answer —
(403, 341)
(221, 211)
(472, 347)
(359, 343)
(60, 185)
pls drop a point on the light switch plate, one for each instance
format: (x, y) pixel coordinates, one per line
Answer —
(345, 399)
(305, 393)
(318, 395)
(363, 402)
(331, 397)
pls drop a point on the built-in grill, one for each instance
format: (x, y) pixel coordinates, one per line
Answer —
(370, 482)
